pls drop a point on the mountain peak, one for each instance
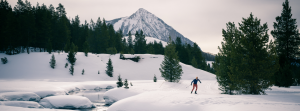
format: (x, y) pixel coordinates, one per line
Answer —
(150, 24)
(140, 13)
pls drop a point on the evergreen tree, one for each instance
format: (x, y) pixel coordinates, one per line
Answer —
(223, 59)
(154, 78)
(253, 62)
(71, 69)
(129, 40)
(119, 83)
(71, 55)
(49, 47)
(131, 51)
(86, 48)
(111, 50)
(66, 65)
(98, 72)
(151, 50)
(126, 84)
(194, 63)
(140, 43)
(287, 41)
(131, 84)
(52, 62)
(170, 69)
(82, 72)
(109, 68)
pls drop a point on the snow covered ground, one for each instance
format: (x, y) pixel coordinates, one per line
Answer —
(31, 75)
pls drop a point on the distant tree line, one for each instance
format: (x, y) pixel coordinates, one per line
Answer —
(46, 28)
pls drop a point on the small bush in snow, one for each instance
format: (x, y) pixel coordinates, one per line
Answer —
(119, 83)
(131, 84)
(154, 78)
(4, 60)
(52, 62)
(126, 84)
(82, 71)
(71, 70)
(98, 72)
(66, 65)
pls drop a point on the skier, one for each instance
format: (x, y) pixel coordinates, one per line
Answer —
(195, 84)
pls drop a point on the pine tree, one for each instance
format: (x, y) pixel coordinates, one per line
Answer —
(223, 58)
(287, 41)
(170, 69)
(52, 62)
(194, 63)
(126, 84)
(109, 68)
(129, 40)
(253, 62)
(86, 48)
(154, 78)
(49, 46)
(111, 50)
(98, 72)
(66, 65)
(71, 55)
(71, 69)
(82, 72)
(119, 83)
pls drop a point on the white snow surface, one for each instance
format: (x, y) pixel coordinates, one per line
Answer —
(24, 104)
(66, 101)
(31, 74)
(35, 66)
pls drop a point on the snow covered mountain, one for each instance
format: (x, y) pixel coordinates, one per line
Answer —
(150, 24)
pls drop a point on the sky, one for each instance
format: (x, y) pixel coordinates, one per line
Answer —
(201, 21)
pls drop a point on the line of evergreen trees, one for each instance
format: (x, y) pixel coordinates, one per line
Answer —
(46, 28)
(249, 64)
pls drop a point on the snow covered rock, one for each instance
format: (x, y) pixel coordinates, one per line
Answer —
(44, 94)
(66, 102)
(24, 104)
(116, 94)
(19, 96)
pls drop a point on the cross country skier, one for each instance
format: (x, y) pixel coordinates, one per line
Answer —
(195, 84)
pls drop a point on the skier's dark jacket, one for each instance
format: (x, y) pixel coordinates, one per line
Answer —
(195, 81)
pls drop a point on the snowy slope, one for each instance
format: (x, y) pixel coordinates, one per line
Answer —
(150, 24)
(35, 66)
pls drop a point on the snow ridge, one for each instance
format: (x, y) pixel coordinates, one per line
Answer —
(150, 24)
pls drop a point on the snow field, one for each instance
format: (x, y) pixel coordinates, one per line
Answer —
(165, 96)
(32, 73)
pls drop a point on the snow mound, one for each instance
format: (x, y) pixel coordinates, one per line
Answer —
(48, 93)
(24, 104)
(19, 96)
(116, 94)
(66, 102)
